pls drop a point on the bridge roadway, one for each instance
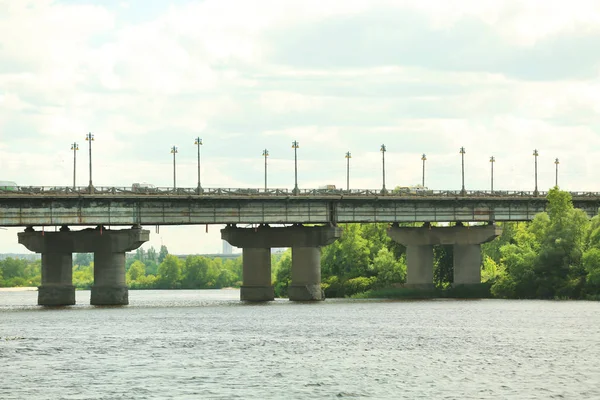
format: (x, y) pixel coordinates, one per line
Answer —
(114, 206)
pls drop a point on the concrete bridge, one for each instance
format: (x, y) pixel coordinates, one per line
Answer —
(115, 207)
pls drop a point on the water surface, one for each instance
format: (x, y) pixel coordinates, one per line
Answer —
(207, 344)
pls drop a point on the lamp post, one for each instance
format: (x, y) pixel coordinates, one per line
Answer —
(492, 161)
(295, 146)
(535, 156)
(348, 157)
(556, 162)
(265, 155)
(423, 158)
(90, 138)
(174, 151)
(74, 147)
(198, 142)
(462, 155)
(383, 150)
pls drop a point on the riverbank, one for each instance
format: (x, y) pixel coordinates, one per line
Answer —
(481, 291)
(18, 289)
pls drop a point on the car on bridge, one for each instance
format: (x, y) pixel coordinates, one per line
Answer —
(8, 186)
(143, 187)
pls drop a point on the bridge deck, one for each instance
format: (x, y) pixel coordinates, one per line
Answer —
(47, 208)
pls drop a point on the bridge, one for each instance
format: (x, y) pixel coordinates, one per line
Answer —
(278, 218)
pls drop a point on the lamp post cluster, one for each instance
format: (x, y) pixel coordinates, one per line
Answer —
(295, 145)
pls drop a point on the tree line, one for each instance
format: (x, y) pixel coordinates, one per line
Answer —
(557, 255)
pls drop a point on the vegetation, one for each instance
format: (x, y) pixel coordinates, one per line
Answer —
(144, 270)
(557, 255)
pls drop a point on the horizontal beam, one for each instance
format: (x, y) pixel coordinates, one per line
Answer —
(194, 210)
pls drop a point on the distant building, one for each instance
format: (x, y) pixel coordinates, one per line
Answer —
(227, 248)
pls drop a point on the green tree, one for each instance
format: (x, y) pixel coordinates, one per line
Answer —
(388, 269)
(195, 272)
(151, 255)
(136, 271)
(162, 254)
(348, 257)
(283, 274)
(169, 272)
(83, 259)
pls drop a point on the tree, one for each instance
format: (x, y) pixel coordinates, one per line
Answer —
(136, 271)
(388, 269)
(283, 274)
(151, 255)
(348, 257)
(169, 272)
(163, 253)
(195, 272)
(83, 259)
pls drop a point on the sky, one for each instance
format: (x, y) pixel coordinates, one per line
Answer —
(498, 77)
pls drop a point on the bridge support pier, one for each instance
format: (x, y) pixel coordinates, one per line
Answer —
(467, 264)
(306, 274)
(256, 275)
(57, 279)
(420, 273)
(306, 245)
(109, 286)
(419, 244)
(57, 250)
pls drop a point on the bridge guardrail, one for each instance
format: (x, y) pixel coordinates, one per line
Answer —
(275, 192)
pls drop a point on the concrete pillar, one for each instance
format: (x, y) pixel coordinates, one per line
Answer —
(467, 264)
(256, 275)
(466, 240)
(109, 249)
(306, 245)
(419, 262)
(57, 280)
(306, 274)
(109, 286)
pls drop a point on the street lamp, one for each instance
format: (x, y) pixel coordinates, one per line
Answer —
(383, 150)
(265, 155)
(556, 162)
(174, 151)
(90, 138)
(492, 161)
(462, 155)
(198, 142)
(74, 147)
(295, 146)
(348, 157)
(535, 156)
(423, 158)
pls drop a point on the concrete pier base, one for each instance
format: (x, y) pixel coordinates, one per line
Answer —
(419, 244)
(256, 275)
(467, 264)
(306, 245)
(56, 295)
(109, 295)
(57, 250)
(257, 293)
(420, 273)
(306, 275)
(109, 278)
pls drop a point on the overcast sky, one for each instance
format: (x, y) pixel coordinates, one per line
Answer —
(500, 78)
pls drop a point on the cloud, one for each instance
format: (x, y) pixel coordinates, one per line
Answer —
(499, 78)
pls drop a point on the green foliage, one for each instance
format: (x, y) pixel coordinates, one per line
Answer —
(162, 254)
(545, 259)
(443, 265)
(136, 271)
(283, 274)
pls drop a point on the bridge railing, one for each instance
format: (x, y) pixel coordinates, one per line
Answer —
(275, 192)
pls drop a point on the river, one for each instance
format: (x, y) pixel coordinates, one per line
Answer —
(202, 344)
